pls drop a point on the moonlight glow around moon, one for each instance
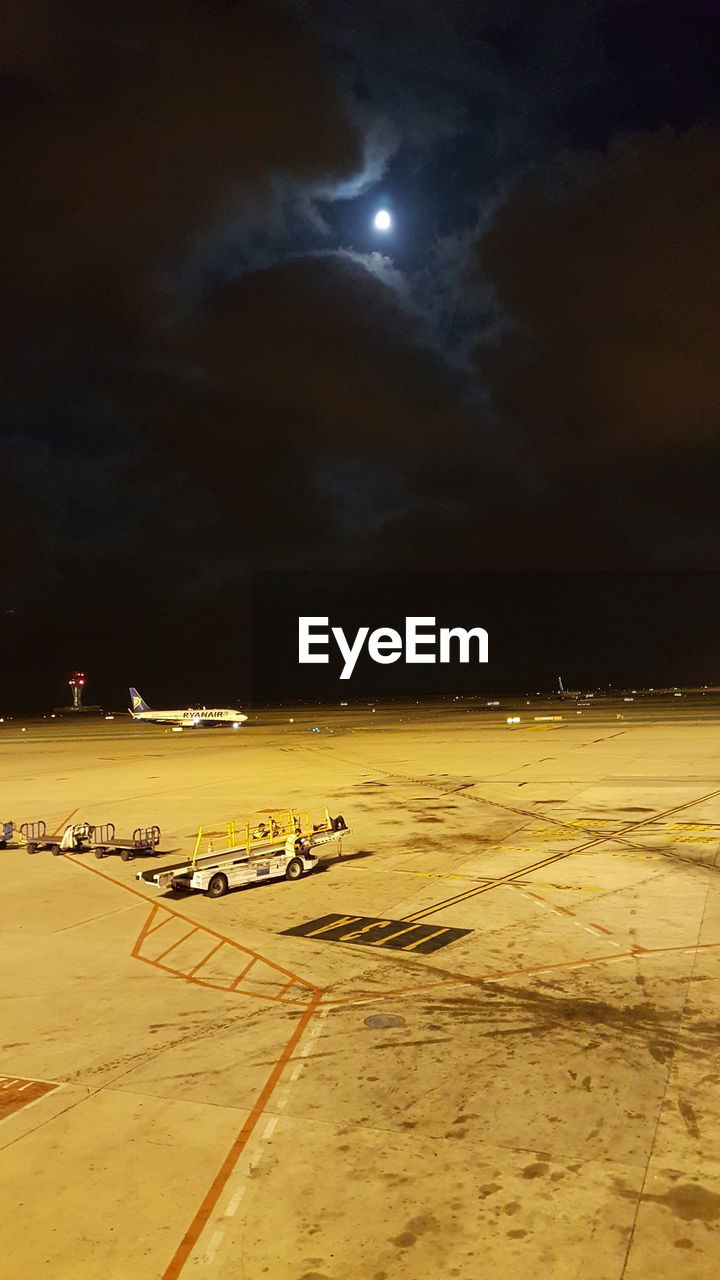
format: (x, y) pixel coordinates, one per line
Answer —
(383, 221)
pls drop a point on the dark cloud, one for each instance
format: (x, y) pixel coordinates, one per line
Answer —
(304, 400)
(608, 271)
(129, 131)
(597, 442)
(330, 345)
(209, 366)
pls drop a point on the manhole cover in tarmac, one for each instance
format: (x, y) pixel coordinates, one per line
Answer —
(384, 1020)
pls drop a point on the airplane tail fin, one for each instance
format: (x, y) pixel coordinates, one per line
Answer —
(136, 702)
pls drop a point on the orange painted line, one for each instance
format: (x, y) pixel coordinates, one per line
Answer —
(63, 825)
(216, 986)
(173, 945)
(212, 1195)
(601, 928)
(86, 866)
(235, 981)
(465, 979)
(205, 959)
(143, 933)
(562, 910)
(164, 920)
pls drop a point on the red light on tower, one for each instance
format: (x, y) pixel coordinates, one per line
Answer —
(76, 682)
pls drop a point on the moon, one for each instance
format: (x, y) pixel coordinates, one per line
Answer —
(383, 221)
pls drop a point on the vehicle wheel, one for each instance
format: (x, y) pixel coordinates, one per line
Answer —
(32, 848)
(55, 850)
(126, 855)
(217, 887)
(99, 853)
(294, 869)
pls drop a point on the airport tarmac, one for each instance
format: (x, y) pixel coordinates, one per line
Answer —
(187, 1090)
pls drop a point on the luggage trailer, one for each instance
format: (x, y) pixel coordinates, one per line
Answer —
(86, 837)
(275, 844)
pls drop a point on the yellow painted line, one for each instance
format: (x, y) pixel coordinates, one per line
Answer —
(336, 924)
(589, 844)
(427, 937)
(479, 880)
(398, 933)
(367, 928)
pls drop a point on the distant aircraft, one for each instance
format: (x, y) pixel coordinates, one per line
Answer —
(192, 718)
(567, 693)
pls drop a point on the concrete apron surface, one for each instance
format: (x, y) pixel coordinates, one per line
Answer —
(187, 1090)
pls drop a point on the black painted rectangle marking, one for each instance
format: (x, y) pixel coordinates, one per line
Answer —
(375, 931)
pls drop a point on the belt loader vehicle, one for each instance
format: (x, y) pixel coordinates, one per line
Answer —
(271, 845)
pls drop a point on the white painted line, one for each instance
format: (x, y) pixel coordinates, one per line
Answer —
(297, 1071)
(214, 1245)
(235, 1202)
(59, 1084)
(269, 1128)
(20, 1111)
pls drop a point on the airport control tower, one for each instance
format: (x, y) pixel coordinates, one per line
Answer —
(77, 684)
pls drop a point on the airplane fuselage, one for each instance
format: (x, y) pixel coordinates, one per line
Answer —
(185, 717)
(193, 717)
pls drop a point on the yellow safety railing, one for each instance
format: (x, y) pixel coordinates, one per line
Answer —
(267, 826)
(197, 845)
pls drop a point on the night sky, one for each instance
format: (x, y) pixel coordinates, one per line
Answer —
(214, 366)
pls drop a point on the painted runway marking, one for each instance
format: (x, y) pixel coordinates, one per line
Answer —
(557, 857)
(18, 1092)
(269, 1128)
(207, 1207)
(213, 1247)
(204, 1214)
(373, 931)
(234, 1204)
(239, 1187)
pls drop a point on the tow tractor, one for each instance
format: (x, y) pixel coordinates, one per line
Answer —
(270, 845)
(85, 837)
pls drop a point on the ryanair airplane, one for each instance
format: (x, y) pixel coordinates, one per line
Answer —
(193, 718)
